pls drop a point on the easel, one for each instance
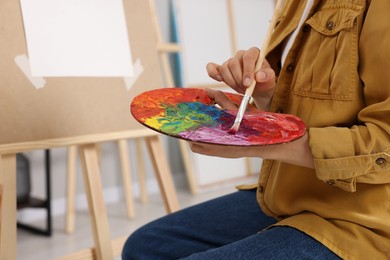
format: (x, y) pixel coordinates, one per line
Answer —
(164, 49)
(123, 151)
(93, 186)
(29, 132)
(1, 201)
(126, 176)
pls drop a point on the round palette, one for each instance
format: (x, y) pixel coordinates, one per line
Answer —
(189, 114)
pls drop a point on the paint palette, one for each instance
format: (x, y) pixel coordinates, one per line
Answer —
(189, 114)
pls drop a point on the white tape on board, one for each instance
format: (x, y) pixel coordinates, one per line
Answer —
(138, 69)
(24, 64)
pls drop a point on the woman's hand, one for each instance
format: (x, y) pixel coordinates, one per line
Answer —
(296, 152)
(239, 71)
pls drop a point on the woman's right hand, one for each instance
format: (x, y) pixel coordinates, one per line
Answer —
(239, 71)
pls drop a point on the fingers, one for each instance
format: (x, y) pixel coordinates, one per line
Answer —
(229, 75)
(213, 71)
(229, 72)
(196, 148)
(239, 71)
(217, 150)
(249, 63)
(221, 99)
(209, 150)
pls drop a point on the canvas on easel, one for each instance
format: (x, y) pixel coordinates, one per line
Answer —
(226, 26)
(47, 112)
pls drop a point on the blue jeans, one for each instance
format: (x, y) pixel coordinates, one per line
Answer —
(223, 228)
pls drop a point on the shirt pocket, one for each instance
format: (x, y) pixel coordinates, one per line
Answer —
(327, 67)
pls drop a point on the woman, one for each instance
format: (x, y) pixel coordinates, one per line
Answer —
(325, 195)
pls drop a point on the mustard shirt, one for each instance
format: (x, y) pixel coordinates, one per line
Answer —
(336, 77)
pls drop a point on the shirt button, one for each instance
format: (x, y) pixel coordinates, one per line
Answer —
(330, 25)
(330, 182)
(380, 161)
(261, 189)
(290, 67)
(279, 110)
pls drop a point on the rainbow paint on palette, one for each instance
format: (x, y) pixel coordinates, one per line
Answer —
(188, 113)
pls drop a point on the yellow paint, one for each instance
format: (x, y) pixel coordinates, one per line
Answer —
(155, 122)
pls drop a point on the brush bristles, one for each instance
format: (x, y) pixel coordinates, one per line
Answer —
(240, 114)
(234, 129)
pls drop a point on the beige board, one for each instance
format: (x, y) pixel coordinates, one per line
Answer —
(71, 107)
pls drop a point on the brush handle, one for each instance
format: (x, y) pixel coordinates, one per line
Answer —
(240, 114)
(263, 51)
(259, 63)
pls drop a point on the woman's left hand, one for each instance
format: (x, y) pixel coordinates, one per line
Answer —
(297, 152)
(224, 151)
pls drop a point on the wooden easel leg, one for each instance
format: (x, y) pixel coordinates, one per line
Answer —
(189, 168)
(71, 190)
(126, 175)
(141, 172)
(8, 207)
(164, 57)
(1, 200)
(97, 209)
(163, 174)
(248, 167)
(169, 82)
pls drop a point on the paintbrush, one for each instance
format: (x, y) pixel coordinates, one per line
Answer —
(259, 63)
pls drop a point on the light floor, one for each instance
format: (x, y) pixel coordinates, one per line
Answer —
(36, 247)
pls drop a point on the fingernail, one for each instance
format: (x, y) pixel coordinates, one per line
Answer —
(218, 77)
(261, 75)
(247, 82)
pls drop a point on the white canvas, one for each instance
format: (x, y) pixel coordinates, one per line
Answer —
(205, 34)
(77, 38)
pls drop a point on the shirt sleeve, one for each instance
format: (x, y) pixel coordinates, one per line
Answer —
(337, 163)
(361, 153)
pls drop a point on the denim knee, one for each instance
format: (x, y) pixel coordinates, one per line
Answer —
(136, 244)
(129, 251)
(149, 242)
